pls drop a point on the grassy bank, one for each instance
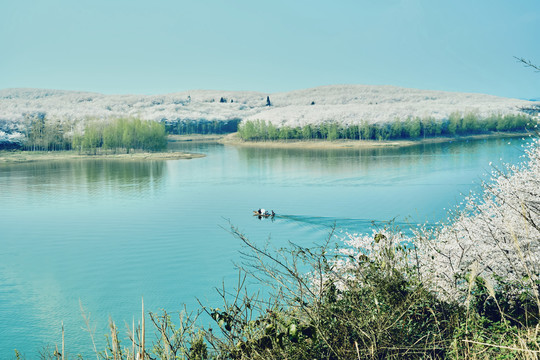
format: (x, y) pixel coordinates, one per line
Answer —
(196, 138)
(12, 157)
(236, 140)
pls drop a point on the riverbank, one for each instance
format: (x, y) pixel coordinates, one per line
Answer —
(18, 156)
(212, 138)
(11, 157)
(234, 139)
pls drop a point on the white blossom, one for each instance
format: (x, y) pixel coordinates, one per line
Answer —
(345, 104)
(496, 232)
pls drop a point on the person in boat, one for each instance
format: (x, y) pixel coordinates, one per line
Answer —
(263, 212)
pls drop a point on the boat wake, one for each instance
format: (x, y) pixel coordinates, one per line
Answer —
(347, 223)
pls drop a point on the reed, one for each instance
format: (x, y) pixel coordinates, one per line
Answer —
(142, 350)
(63, 343)
(88, 328)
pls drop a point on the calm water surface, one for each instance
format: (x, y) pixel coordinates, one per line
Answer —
(108, 232)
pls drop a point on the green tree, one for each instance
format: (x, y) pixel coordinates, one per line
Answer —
(247, 130)
(414, 127)
(470, 123)
(429, 127)
(323, 131)
(307, 132)
(273, 132)
(396, 129)
(454, 123)
(92, 138)
(333, 132)
(36, 134)
(366, 130)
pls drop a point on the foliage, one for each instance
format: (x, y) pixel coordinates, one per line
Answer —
(373, 307)
(410, 128)
(188, 126)
(124, 134)
(496, 231)
(47, 135)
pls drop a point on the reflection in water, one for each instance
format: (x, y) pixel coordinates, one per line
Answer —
(345, 158)
(328, 222)
(90, 176)
(384, 166)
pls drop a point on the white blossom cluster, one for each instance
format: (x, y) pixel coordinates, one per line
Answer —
(11, 138)
(386, 247)
(75, 105)
(495, 235)
(347, 104)
(352, 104)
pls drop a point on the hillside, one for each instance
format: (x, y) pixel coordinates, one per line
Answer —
(347, 104)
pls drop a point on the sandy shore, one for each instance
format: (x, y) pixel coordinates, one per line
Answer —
(234, 139)
(195, 138)
(10, 157)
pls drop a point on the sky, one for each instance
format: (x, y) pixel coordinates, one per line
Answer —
(159, 46)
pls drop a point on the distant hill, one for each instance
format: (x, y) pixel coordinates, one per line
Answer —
(347, 104)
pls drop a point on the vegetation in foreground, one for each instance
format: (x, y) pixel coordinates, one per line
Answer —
(466, 289)
(411, 128)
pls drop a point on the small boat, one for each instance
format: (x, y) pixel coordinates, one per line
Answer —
(266, 213)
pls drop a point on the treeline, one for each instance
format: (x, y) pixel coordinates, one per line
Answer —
(47, 135)
(123, 134)
(181, 127)
(411, 128)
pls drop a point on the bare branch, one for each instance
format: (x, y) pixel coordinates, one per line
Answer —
(528, 63)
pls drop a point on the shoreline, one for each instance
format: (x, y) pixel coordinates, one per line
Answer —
(22, 156)
(234, 140)
(213, 138)
(19, 156)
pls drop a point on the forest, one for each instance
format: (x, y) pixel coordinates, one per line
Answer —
(118, 135)
(410, 128)
(187, 126)
(128, 134)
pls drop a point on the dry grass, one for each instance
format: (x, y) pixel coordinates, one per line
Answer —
(13, 157)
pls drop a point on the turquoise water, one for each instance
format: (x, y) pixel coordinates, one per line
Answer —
(107, 232)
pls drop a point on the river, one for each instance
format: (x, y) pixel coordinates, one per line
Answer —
(106, 232)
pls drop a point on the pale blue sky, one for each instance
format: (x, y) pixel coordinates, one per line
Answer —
(150, 47)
